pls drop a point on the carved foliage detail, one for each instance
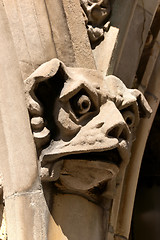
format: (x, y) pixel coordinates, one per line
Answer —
(96, 13)
(82, 121)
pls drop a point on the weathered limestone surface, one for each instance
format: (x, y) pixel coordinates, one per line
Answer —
(78, 212)
(14, 125)
(18, 155)
(107, 57)
(134, 45)
(71, 40)
(64, 164)
(31, 32)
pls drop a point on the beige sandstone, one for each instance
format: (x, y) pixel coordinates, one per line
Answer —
(68, 168)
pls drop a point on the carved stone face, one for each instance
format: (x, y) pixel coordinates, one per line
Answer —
(91, 120)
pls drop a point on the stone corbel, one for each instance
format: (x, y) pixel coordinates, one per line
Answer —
(83, 125)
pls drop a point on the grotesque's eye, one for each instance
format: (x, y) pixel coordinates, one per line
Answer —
(81, 103)
(131, 116)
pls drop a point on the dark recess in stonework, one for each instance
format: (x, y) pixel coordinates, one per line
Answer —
(146, 214)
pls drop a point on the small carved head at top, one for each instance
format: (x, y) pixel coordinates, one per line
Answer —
(96, 13)
(83, 123)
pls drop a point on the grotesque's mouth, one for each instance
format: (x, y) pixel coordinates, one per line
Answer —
(85, 171)
(110, 156)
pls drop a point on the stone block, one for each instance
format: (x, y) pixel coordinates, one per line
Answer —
(26, 216)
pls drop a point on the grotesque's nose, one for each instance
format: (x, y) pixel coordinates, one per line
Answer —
(114, 125)
(119, 131)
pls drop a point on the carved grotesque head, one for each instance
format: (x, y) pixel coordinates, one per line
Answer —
(97, 11)
(83, 123)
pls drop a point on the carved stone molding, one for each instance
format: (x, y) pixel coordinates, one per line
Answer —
(82, 122)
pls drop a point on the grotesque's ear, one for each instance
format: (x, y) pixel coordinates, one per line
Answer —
(42, 74)
(41, 89)
(144, 108)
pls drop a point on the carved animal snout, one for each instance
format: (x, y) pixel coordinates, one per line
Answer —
(114, 125)
(119, 131)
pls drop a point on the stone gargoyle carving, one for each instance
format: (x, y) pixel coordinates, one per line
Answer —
(83, 124)
(96, 13)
